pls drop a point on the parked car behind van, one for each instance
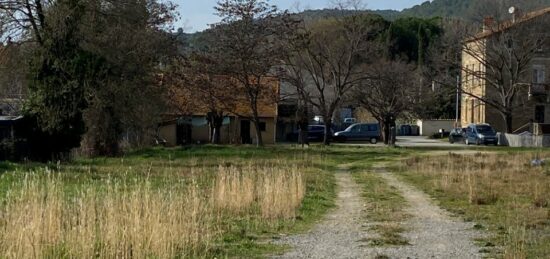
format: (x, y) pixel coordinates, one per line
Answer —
(480, 134)
(359, 132)
(315, 133)
(457, 135)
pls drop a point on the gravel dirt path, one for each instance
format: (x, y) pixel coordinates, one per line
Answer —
(432, 232)
(341, 232)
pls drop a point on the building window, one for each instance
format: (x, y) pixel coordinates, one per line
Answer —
(539, 113)
(263, 126)
(479, 73)
(510, 43)
(538, 74)
(540, 45)
(472, 110)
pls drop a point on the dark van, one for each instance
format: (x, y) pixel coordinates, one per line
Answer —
(480, 134)
(359, 132)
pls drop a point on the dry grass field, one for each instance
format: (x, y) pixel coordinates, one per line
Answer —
(503, 193)
(207, 202)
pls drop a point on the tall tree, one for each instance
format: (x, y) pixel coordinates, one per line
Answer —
(329, 56)
(388, 93)
(94, 66)
(248, 40)
(130, 38)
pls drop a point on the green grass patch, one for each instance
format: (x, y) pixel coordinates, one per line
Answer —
(385, 209)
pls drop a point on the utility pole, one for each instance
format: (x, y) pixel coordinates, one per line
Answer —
(457, 107)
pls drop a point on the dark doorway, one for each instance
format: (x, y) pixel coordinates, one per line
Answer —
(245, 132)
(539, 114)
(183, 134)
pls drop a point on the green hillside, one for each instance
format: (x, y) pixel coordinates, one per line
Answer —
(473, 10)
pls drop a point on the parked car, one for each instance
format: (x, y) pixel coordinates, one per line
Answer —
(359, 131)
(457, 135)
(480, 134)
(315, 133)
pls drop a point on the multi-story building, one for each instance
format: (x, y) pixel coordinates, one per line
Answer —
(505, 70)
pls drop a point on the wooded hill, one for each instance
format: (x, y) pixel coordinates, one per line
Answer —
(471, 10)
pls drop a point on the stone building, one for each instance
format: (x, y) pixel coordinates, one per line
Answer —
(508, 60)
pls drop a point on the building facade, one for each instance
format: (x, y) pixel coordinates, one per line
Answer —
(496, 55)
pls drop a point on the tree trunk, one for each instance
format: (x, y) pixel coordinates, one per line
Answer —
(389, 138)
(303, 125)
(259, 140)
(303, 138)
(212, 133)
(215, 119)
(217, 134)
(328, 136)
(216, 137)
(386, 132)
(508, 120)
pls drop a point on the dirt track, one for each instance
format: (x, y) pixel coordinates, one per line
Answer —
(432, 233)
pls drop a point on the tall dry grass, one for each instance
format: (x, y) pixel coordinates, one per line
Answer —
(277, 191)
(45, 217)
(501, 189)
(122, 221)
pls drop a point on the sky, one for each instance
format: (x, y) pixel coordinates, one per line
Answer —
(196, 15)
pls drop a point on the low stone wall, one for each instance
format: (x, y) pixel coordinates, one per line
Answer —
(526, 140)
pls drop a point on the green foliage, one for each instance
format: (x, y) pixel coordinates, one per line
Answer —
(409, 38)
(94, 75)
(60, 72)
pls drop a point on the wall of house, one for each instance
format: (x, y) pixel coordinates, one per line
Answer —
(472, 109)
(230, 134)
(268, 136)
(168, 133)
(429, 127)
(201, 134)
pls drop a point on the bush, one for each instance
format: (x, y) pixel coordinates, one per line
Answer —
(13, 150)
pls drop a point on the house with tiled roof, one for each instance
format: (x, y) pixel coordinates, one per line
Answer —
(189, 124)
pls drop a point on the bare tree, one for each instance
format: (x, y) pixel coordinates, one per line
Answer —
(348, 4)
(388, 93)
(13, 78)
(248, 40)
(328, 57)
(19, 17)
(195, 85)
